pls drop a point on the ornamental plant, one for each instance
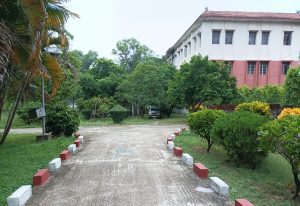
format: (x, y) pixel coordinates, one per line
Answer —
(282, 136)
(237, 133)
(256, 107)
(201, 123)
(27, 112)
(118, 113)
(288, 111)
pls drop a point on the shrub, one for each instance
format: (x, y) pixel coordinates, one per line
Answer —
(202, 121)
(257, 107)
(237, 132)
(282, 136)
(292, 88)
(288, 111)
(27, 112)
(118, 113)
(61, 119)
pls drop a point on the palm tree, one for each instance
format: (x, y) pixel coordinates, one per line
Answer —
(35, 24)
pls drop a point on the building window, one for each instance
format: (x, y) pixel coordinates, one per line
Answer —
(252, 37)
(251, 67)
(265, 37)
(216, 36)
(228, 36)
(185, 51)
(287, 38)
(285, 67)
(263, 68)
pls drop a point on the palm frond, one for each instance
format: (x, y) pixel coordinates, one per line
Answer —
(6, 38)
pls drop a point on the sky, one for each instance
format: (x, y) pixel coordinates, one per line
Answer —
(157, 24)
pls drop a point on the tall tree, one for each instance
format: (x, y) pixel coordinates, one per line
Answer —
(202, 80)
(130, 53)
(292, 88)
(88, 60)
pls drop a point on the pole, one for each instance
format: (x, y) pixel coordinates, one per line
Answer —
(43, 107)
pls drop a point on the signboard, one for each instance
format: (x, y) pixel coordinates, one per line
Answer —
(40, 113)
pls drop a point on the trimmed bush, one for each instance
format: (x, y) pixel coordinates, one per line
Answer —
(118, 113)
(202, 121)
(61, 120)
(238, 133)
(27, 112)
(288, 111)
(257, 107)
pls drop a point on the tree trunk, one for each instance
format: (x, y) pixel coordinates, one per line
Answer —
(297, 183)
(132, 109)
(209, 144)
(13, 111)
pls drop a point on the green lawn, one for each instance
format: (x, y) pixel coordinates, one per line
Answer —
(20, 158)
(269, 185)
(18, 123)
(174, 119)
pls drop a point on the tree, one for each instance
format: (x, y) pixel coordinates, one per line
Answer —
(204, 81)
(130, 53)
(292, 88)
(282, 136)
(88, 60)
(148, 84)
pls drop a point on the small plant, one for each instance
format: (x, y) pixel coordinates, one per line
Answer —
(256, 107)
(27, 112)
(288, 111)
(118, 113)
(238, 133)
(61, 119)
(201, 123)
(282, 136)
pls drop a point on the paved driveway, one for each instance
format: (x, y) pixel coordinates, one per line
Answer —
(124, 165)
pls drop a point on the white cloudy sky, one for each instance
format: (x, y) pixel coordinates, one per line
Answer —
(155, 23)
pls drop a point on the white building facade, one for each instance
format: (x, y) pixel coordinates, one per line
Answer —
(260, 47)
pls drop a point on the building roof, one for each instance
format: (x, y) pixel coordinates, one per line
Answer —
(235, 16)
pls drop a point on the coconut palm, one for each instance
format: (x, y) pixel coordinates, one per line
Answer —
(30, 26)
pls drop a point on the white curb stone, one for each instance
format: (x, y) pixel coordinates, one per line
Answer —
(72, 148)
(171, 145)
(187, 159)
(20, 196)
(80, 138)
(54, 165)
(219, 186)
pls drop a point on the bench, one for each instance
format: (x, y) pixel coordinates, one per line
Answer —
(187, 159)
(170, 145)
(178, 151)
(41, 177)
(54, 165)
(243, 202)
(20, 196)
(219, 186)
(65, 155)
(200, 170)
(77, 143)
(72, 148)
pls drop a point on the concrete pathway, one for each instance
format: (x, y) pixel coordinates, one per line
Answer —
(124, 165)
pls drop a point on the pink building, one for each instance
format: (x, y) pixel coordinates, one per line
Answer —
(260, 46)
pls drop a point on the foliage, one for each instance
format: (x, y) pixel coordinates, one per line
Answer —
(88, 60)
(22, 156)
(203, 81)
(201, 123)
(237, 132)
(271, 94)
(27, 112)
(118, 113)
(292, 88)
(256, 107)
(95, 107)
(130, 53)
(148, 83)
(288, 111)
(61, 119)
(282, 136)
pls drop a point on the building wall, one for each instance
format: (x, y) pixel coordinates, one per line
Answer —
(240, 52)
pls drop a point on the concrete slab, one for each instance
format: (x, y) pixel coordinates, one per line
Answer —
(72, 148)
(219, 186)
(54, 165)
(171, 145)
(20, 196)
(116, 167)
(187, 159)
(80, 138)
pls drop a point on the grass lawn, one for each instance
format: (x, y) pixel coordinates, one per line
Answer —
(174, 119)
(18, 123)
(269, 185)
(20, 158)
